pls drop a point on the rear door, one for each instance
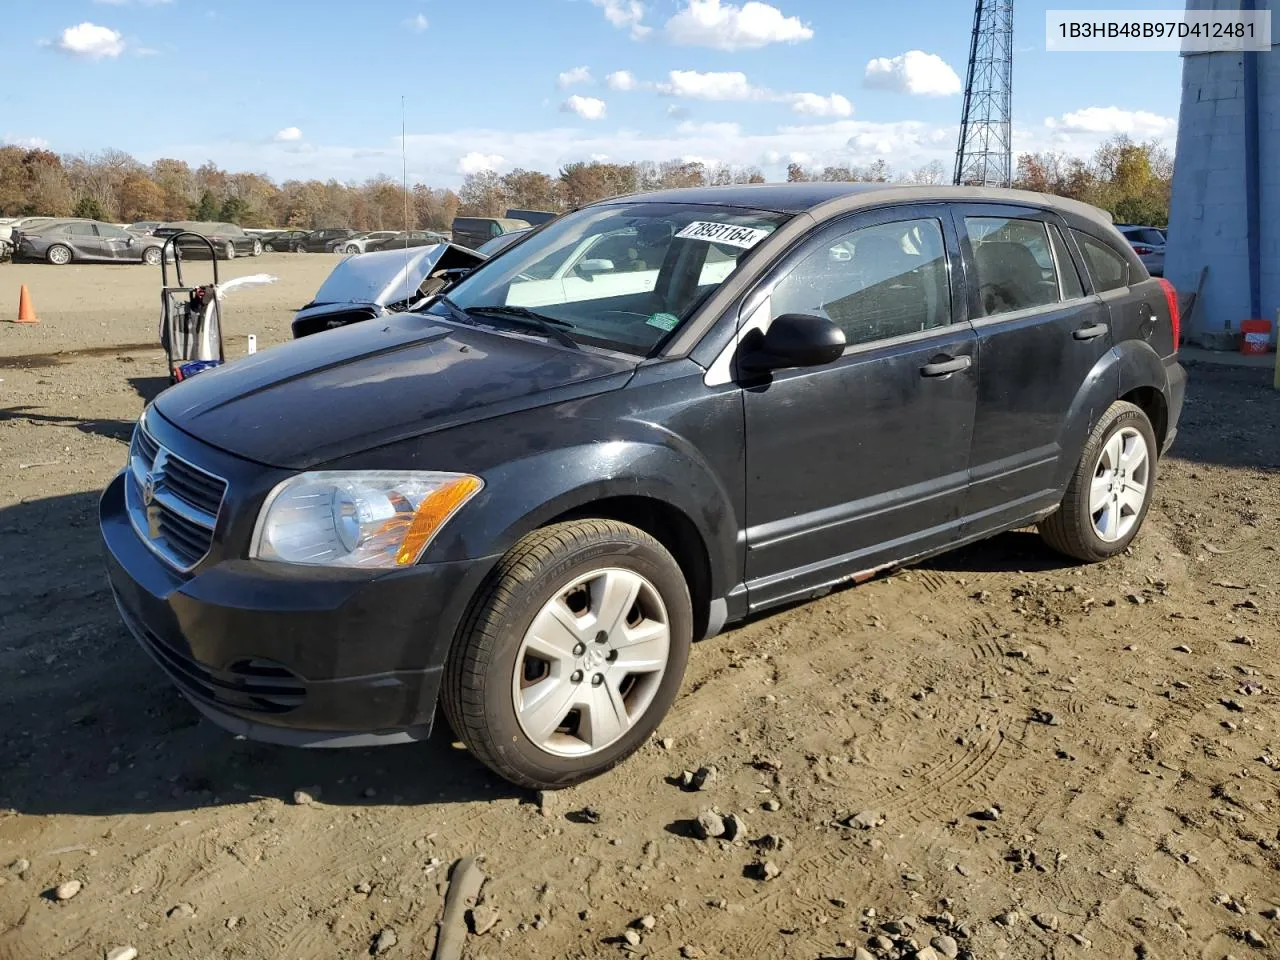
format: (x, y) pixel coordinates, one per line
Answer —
(1041, 334)
(84, 238)
(865, 460)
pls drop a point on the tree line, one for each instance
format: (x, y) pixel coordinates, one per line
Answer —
(1131, 180)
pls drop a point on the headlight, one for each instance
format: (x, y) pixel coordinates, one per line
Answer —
(358, 518)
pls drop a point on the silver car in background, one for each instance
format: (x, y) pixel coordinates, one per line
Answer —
(361, 241)
(1148, 243)
(63, 241)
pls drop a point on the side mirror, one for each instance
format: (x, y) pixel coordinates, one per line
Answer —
(589, 268)
(793, 340)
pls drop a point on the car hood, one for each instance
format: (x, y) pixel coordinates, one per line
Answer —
(382, 277)
(314, 400)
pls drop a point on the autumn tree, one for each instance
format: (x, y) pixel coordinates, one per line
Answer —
(481, 195)
(796, 173)
(531, 190)
(140, 198)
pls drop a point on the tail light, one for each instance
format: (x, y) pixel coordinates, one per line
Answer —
(1142, 250)
(1171, 298)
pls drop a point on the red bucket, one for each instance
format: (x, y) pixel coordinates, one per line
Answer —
(1255, 336)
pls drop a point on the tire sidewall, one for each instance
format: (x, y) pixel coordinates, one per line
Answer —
(509, 740)
(147, 256)
(58, 263)
(1127, 417)
(257, 248)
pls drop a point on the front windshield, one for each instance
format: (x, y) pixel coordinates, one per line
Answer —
(621, 276)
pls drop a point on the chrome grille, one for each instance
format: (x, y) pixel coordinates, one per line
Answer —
(173, 504)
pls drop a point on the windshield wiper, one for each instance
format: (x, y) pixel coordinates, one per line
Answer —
(523, 316)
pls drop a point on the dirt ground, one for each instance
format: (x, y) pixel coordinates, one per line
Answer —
(1115, 728)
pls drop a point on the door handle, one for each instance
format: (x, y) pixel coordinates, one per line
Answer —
(1090, 333)
(944, 367)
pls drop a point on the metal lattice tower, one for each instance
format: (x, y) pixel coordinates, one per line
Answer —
(984, 156)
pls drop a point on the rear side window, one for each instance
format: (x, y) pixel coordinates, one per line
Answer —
(874, 283)
(81, 230)
(1072, 288)
(1108, 269)
(1014, 263)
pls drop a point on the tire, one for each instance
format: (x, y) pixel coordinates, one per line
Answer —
(151, 255)
(268, 248)
(257, 248)
(352, 248)
(59, 255)
(1100, 513)
(299, 248)
(492, 666)
(229, 251)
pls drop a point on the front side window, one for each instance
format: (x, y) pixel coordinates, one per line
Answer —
(1107, 268)
(874, 283)
(622, 276)
(1015, 268)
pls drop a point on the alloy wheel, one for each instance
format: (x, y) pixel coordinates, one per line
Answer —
(591, 662)
(1121, 480)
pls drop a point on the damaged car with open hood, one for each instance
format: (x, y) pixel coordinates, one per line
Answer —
(524, 493)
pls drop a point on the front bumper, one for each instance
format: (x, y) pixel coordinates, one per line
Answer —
(292, 655)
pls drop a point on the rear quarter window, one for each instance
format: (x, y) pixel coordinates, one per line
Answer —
(1109, 270)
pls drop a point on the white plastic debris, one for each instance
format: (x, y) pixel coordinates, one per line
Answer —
(253, 280)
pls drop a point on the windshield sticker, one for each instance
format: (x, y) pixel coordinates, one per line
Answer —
(663, 321)
(726, 233)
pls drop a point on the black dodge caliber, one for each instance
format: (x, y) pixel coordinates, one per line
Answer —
(650, 418)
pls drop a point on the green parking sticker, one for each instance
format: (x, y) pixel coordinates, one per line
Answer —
(663, 321)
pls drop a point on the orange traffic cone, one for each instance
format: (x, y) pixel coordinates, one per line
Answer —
(26, 312)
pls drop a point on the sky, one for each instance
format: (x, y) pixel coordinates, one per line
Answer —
(313, 88)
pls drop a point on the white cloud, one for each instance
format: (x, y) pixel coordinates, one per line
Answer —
(816, 105)
(914, 72)
(476, 162)
(724, 26)
(711, 129)
(694, 85)
(27, 143)
(625, 14)
(588, 108)
(418, 23)
(571, 77)
(91, 41)
(677, 111)
(1112, 120)
(621, 80)
(288, 135)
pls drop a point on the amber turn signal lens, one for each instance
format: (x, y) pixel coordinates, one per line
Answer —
(431, 515)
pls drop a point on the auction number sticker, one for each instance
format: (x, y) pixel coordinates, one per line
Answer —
(726, 233)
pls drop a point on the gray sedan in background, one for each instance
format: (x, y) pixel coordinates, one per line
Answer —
(62, 241)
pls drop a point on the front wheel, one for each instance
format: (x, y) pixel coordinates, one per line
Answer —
(352, 248)
(59, 255)
(572, 653)
(151, 255)
(229, 251)
(299, 248)
(1110, 491)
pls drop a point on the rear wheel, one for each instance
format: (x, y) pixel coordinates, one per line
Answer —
(352, 248)
(573, 652)
(1110, 491)
(269, 248)
(59, 255)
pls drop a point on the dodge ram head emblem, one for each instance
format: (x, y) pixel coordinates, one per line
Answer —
(148, 490)
(149, 504)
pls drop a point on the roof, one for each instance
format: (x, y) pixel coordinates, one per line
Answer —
(824, 199)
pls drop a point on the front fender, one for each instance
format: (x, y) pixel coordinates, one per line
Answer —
(523, 494)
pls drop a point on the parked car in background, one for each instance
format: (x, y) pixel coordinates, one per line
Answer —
(283, 241)
(381, 283)
(68, 241)
(144, 228)
(535, 218)
(473, 231)
(529, 516)
(413, 238)
(1148, 243)
(229, 241)
(490, 247)
(9, 225)
(319, 241)
(361, 241)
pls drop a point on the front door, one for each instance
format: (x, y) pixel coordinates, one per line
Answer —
(863, 461)
(1040, 335)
